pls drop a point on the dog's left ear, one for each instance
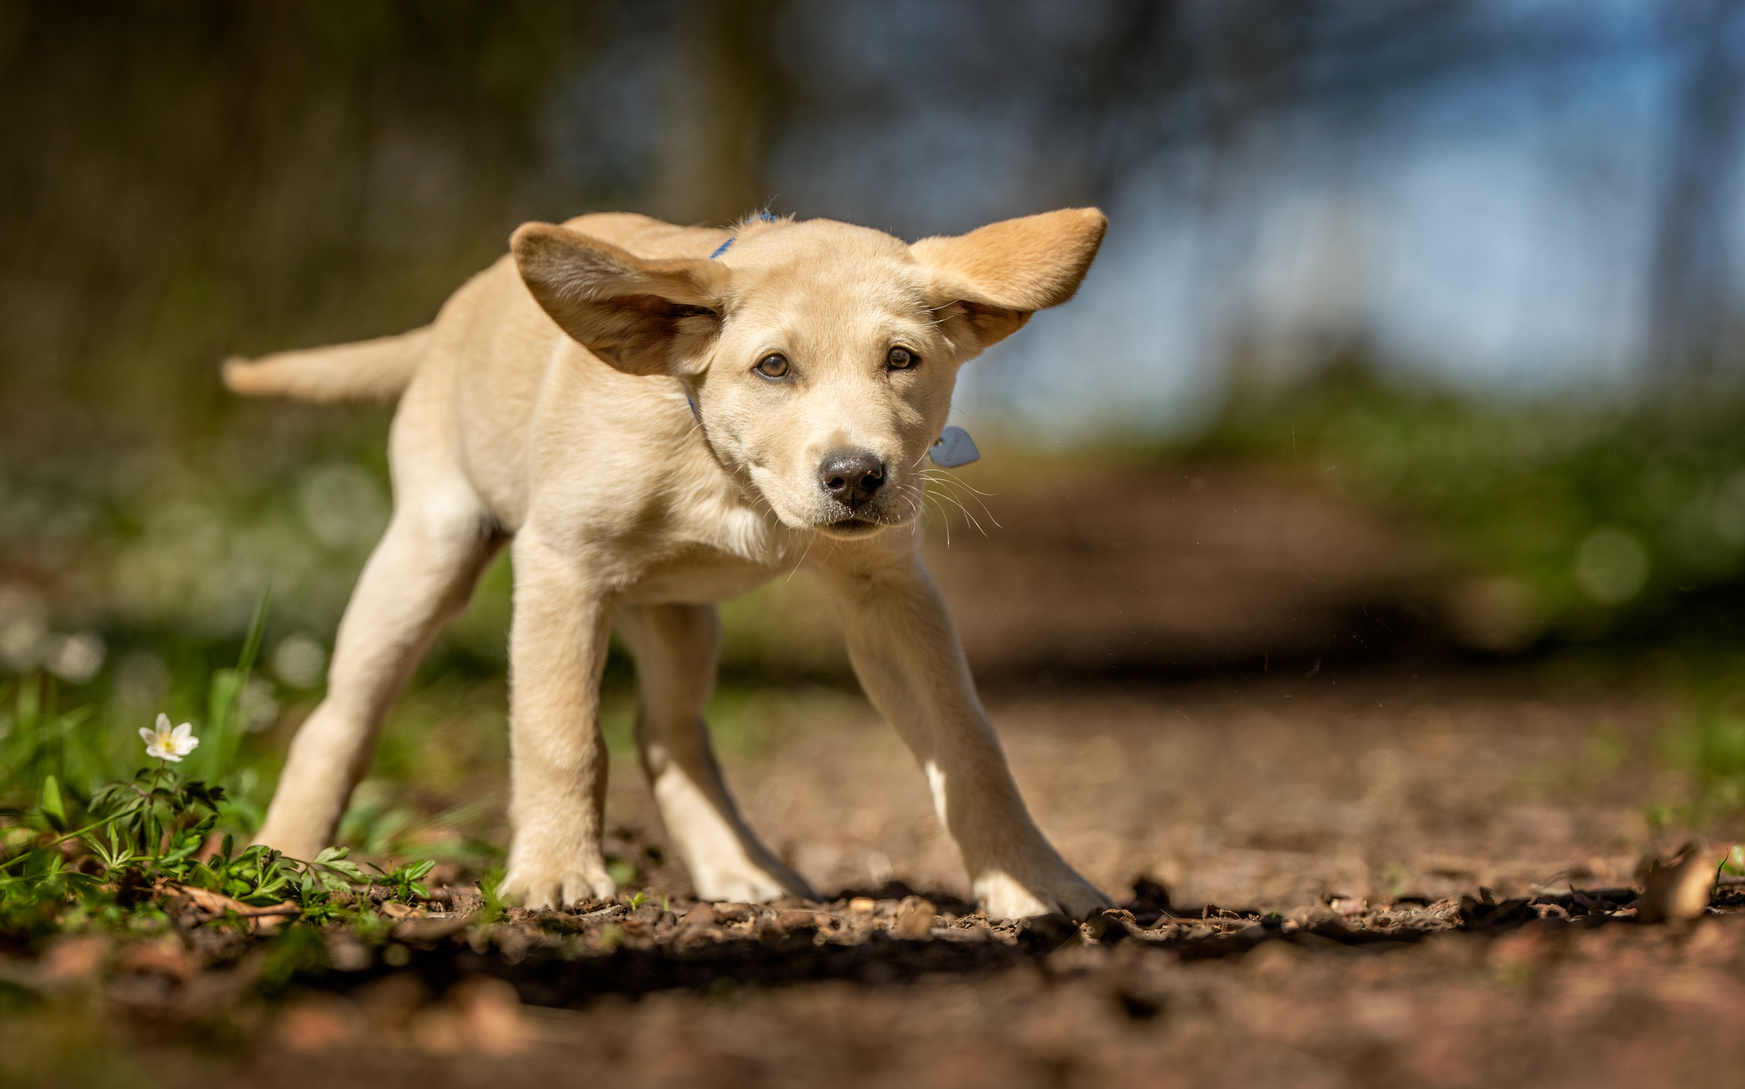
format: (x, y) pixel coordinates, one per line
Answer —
(642, 317)
(992, 279)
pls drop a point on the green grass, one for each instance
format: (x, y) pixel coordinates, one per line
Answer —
(77, 853)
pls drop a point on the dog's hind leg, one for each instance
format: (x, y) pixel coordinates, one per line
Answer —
(419, 576)
(676, 649)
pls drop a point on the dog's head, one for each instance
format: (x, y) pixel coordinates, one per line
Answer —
(820, 357)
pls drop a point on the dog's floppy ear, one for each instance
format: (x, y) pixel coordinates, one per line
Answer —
(992, 279)
(642, 317)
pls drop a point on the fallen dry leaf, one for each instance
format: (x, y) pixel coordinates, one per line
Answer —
(1677, 888)
(915, 918)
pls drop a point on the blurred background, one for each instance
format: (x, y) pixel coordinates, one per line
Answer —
(1415, 343)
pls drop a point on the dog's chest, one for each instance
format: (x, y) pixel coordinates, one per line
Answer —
(718, 548)
(699, 579)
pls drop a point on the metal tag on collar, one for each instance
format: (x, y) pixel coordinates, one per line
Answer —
(952, 448)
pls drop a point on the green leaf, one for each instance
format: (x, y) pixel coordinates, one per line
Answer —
(257, 627)
(416, 870)
(224, 696)
(333, 859)
(88, 881)
(52, 806)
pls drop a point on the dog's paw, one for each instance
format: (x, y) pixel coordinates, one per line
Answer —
(749, 883)
(542, 888)
(1005, 897)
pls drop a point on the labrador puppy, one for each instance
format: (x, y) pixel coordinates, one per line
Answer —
(655, 418)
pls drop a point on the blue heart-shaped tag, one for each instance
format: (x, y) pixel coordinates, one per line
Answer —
(954, 447)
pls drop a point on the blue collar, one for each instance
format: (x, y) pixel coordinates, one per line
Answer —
(725, 246)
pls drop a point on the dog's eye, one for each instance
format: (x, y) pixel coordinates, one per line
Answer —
(901, 359)
(773, 365)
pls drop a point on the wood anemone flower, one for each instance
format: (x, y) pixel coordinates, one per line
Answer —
(165, 743)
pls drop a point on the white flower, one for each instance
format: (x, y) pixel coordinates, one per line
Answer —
(167, 744)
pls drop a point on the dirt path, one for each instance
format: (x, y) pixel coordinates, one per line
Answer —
(1314, 837)
(1267, 793)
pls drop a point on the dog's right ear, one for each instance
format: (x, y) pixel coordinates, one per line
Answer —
(642, 317)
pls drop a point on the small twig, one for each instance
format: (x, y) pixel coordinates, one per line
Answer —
(215, 904)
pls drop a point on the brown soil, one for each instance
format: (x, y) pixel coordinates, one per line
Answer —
(1318, 846)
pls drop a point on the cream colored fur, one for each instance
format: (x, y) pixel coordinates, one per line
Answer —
(547, 407)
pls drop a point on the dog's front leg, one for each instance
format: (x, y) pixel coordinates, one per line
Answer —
(906, 653)
(557, 649)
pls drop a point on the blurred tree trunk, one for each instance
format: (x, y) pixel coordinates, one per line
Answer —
(717, 130)
(1691, 325)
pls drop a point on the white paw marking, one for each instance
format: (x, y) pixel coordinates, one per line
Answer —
(1004, 897)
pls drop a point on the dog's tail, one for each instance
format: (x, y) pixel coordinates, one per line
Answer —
(368, 370)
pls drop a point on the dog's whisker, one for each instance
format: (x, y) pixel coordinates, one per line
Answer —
(948, 496)
(957, 487)
(953, 483)
(944, 518)
(801, 561)
(915, 506)
(967, 514)
(947, 474)
(948, 487)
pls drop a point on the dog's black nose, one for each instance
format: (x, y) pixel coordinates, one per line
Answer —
(851, 479)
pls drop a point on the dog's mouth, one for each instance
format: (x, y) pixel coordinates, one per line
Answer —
(852, 526)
